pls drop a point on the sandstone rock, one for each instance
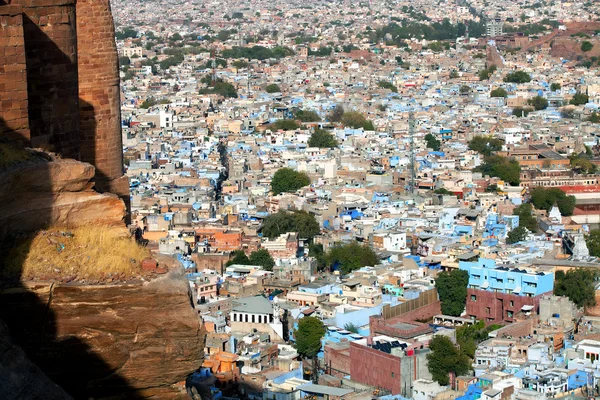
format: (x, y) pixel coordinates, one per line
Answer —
(59, 192)
(117, 341)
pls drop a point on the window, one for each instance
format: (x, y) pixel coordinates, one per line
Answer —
(510, 280)
(488, 310)
(509, 314)
(512, 303)
(392, 374)
(473, 298)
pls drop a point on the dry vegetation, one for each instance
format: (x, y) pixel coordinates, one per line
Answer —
(94, 253)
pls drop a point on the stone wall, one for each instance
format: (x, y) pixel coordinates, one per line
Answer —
(99, 95)
(51, 52)
(14, 119)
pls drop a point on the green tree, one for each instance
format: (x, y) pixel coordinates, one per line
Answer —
(307, 116)
(124, 61)
(593, 242)
(323, 139)
(316, 250)
(443, 191)
(301, 222)
(387, 85)
(464, 89)
(149, 102)
(538, 102)
(499, 92)
(354, 119)
(516, 235)
(262, 257)
(577, 285)
(453, 74)
(176, 37)
(469, 336)
(579, 99)
(526, 217)
(582, 164)
(238, 257)
(288, 180)
(521, 112)
(485, 145)
(308, 341)
(273, 88)
(545, 199)
(504, 168)
(351, 256)
(452, 290)
(586, 46)
(285, 125)
(337, 114)
(351, 327)
(517, 77)
(594, 118)
(555, 87)
(445, 357)
(240, 64)
(432, 142)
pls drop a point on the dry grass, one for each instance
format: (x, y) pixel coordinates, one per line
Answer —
(94, 253)
(12, 155)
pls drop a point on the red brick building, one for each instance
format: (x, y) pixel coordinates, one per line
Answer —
(498, 308)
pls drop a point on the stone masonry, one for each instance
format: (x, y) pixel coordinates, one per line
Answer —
(59, 83)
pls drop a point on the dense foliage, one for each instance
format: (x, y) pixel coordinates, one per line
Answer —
(432, 143)
(220, 87)
(307, 116)
(485, 74)
(354, 119)
(516, 235)
(499, 92)
(336, 114)
(351, 256)
(521, 111)
(452, 290)
(259, 257)
(323, 139)
(301, 222)
(538, 102)
(285, 125)
(504, 168)
(469, 336)
(545, 198)
(446, 357)
(579, 99)
(586, 46)
(485, 145)
(555, 86)
(257, 52)
(387, 85)
(526, 218)
(577, 285)
(592, 240)
(517, 77)
(273, 88)
(288, 180)
(308, 340)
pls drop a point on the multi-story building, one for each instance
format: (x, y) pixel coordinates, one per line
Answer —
(495, 27)
(497, 293)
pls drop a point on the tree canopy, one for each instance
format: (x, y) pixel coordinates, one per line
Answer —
(307, 116)
(586, 46)
(432, 143)
(577, 285)
(445, 357)
(273, 88)
(354, 119)
(257, 52)
(323, 139)
(517, 77)
(452, 290)
(516, 235)
(521, 111)
(222, 88)
(555, 86)
(288, 180)
(499, 92)
(260, 257)
(285, 125)
(592, 240)
(308, 339)
(538, 102)
(281, 222)
(526, 217)
(579, 99)
(469, 336)
(504, 168)
(351, 256)
(387, 85)
(485, 144)
(545, 198)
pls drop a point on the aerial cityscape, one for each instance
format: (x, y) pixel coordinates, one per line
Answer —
(284, 200)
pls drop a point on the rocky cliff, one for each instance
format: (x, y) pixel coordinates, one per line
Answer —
(48, 191)
(108, 341)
